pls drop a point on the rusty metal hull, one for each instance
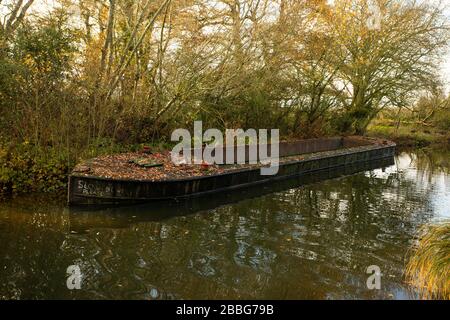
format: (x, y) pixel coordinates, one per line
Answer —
(330, 153)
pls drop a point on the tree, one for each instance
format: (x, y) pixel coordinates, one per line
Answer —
(17, 11)
(385, 66)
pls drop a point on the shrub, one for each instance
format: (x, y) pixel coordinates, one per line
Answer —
(442, 120)
(23, 169)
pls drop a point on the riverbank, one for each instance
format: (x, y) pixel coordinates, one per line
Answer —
(411, 136)
(25, 168)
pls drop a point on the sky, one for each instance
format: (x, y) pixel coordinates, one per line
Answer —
(446, 72)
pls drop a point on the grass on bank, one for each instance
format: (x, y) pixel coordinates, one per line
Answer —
(428, 268)
(409, 135)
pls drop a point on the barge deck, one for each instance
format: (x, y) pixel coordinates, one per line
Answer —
(296, 159)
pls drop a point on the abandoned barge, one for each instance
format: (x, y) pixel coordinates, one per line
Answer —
(296, 159)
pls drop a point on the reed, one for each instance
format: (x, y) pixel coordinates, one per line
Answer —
(428, 268)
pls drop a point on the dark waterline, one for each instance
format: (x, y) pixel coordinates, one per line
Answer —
(288, 241)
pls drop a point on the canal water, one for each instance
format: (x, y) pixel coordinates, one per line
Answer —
(294, 241)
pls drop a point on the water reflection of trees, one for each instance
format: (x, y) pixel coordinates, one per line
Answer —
(429, 161)
(31, 231)
(309, 242)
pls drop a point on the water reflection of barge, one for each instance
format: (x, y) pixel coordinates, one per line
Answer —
(318, 155)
